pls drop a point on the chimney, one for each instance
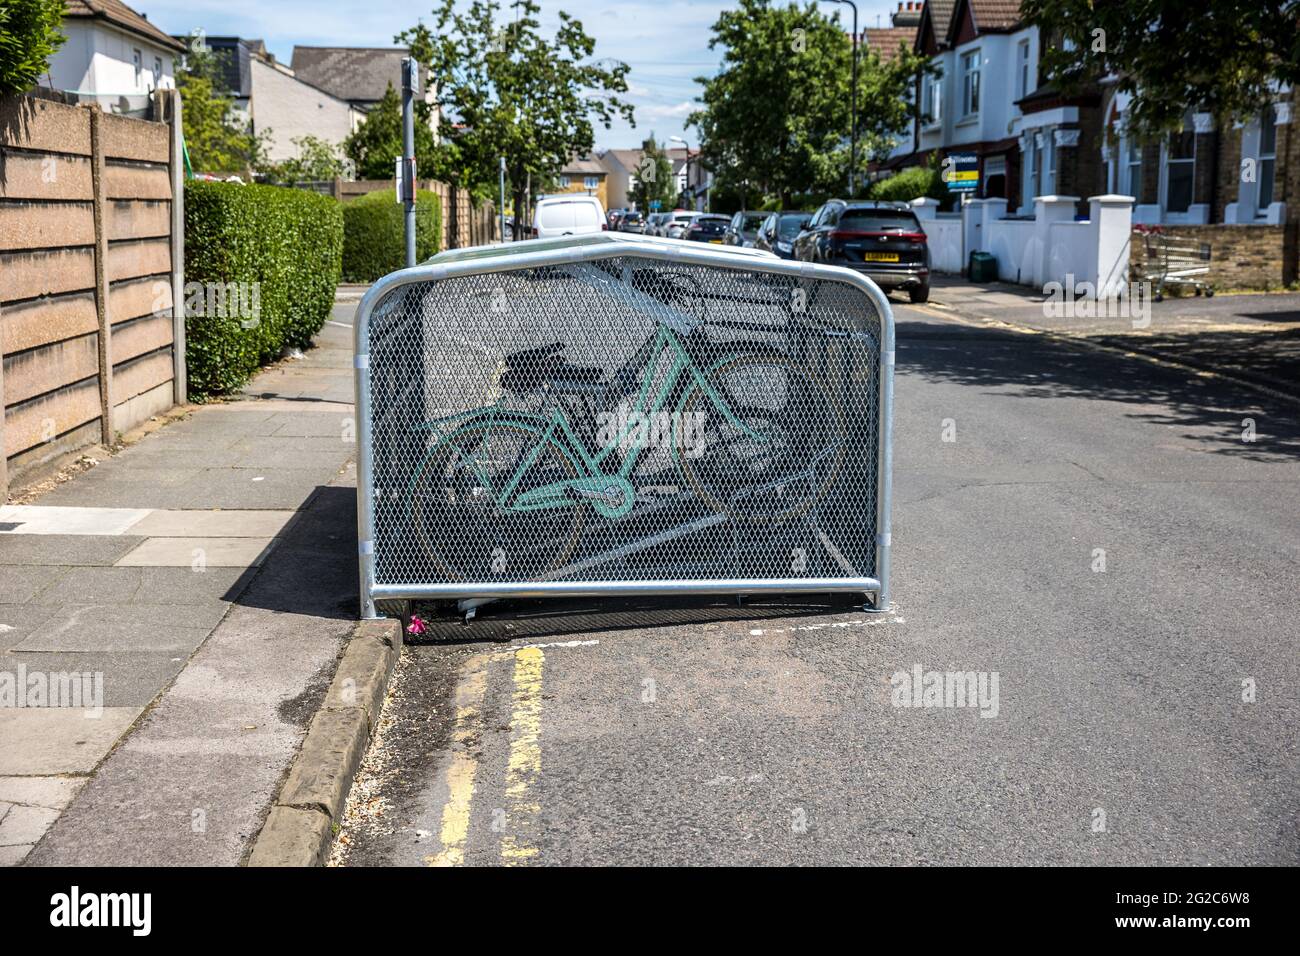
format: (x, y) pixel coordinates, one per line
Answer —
(907, 15)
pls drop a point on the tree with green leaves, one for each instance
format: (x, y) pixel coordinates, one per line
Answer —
(316, 160)
(776, 118)
(376, 145)
(506, 90)
(654, 177)
(776, 113)
(217, 139)
(1218, 56)
(29, 36)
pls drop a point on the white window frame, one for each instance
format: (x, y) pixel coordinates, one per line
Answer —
(137, 60)
(1022, 69)
(1267, 120)
(591, 182)
(157, 72)
(1028, 174)
(932, 100)
(1176, 215)
(565, 182)
(970, 83)
(1131, 169)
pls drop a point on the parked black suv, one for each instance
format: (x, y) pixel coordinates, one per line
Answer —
(881, 239)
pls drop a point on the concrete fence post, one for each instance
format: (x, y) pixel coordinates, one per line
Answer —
(180, 383)
(105, 320)
(1047, 210)
(925, 208)
(1111, 218)
(972, 231)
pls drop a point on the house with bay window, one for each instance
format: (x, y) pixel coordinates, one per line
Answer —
(989, 98)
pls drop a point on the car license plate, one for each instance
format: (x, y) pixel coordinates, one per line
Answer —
(716, 242)
(881, 257)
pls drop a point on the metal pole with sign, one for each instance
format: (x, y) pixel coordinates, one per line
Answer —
(502, 213)
(406, 192)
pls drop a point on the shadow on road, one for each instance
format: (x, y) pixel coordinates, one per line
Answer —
(1210, 410)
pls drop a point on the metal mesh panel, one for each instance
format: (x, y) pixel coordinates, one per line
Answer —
(623, 419)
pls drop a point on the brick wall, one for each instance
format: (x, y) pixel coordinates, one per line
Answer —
(1242, 257)
(87, 276)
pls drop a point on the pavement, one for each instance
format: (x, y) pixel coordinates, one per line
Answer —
(1085, 531)
(1252, 337)
(195, 589)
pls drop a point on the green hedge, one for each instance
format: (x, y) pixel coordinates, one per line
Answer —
(911, 184)
(286, 244)
(374, 233)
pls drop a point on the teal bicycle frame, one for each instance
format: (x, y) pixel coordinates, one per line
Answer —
(611, 494)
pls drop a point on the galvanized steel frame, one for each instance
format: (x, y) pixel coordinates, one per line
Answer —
(668, 251)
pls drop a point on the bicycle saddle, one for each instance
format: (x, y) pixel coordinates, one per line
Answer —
(531, 368)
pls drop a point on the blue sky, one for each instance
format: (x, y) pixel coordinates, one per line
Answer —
(666, 42)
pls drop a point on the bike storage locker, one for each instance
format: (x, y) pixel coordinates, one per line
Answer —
(617, 414)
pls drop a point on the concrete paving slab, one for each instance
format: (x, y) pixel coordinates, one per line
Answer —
(172, 523)
(23, 826)
(310, 424)
(19, 584)
(253, 489)
(137, 583)
(141, 459)
(297, 460)
(42, 519)
(19, 621)
(130, 678)
(13, 855)
(185, 552)
(53, 793)
(121, 489)
(64, 549)
(41, 741)
(125, 627)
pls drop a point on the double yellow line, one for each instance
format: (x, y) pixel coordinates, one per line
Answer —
(519, 825)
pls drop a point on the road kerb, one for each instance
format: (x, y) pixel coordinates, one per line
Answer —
(300, 827)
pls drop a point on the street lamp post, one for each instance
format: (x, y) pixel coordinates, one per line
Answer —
(853, 125)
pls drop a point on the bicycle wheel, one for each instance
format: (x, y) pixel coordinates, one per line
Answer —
(461, 528)
(798, 451)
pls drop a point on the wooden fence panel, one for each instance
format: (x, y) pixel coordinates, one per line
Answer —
(90, 259)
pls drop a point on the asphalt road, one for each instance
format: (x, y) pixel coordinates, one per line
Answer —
(768, 733)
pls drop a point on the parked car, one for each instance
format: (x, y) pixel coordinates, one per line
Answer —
(743, 228)
(778, 232)
(615, 217)
(568, 216)
(883, 240)
(705, 228)
(631, 222)
(674, 227)
(654, 223)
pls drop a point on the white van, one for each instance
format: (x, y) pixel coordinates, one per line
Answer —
(568, 216)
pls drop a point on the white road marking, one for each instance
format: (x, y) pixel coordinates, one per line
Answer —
(561, 644)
